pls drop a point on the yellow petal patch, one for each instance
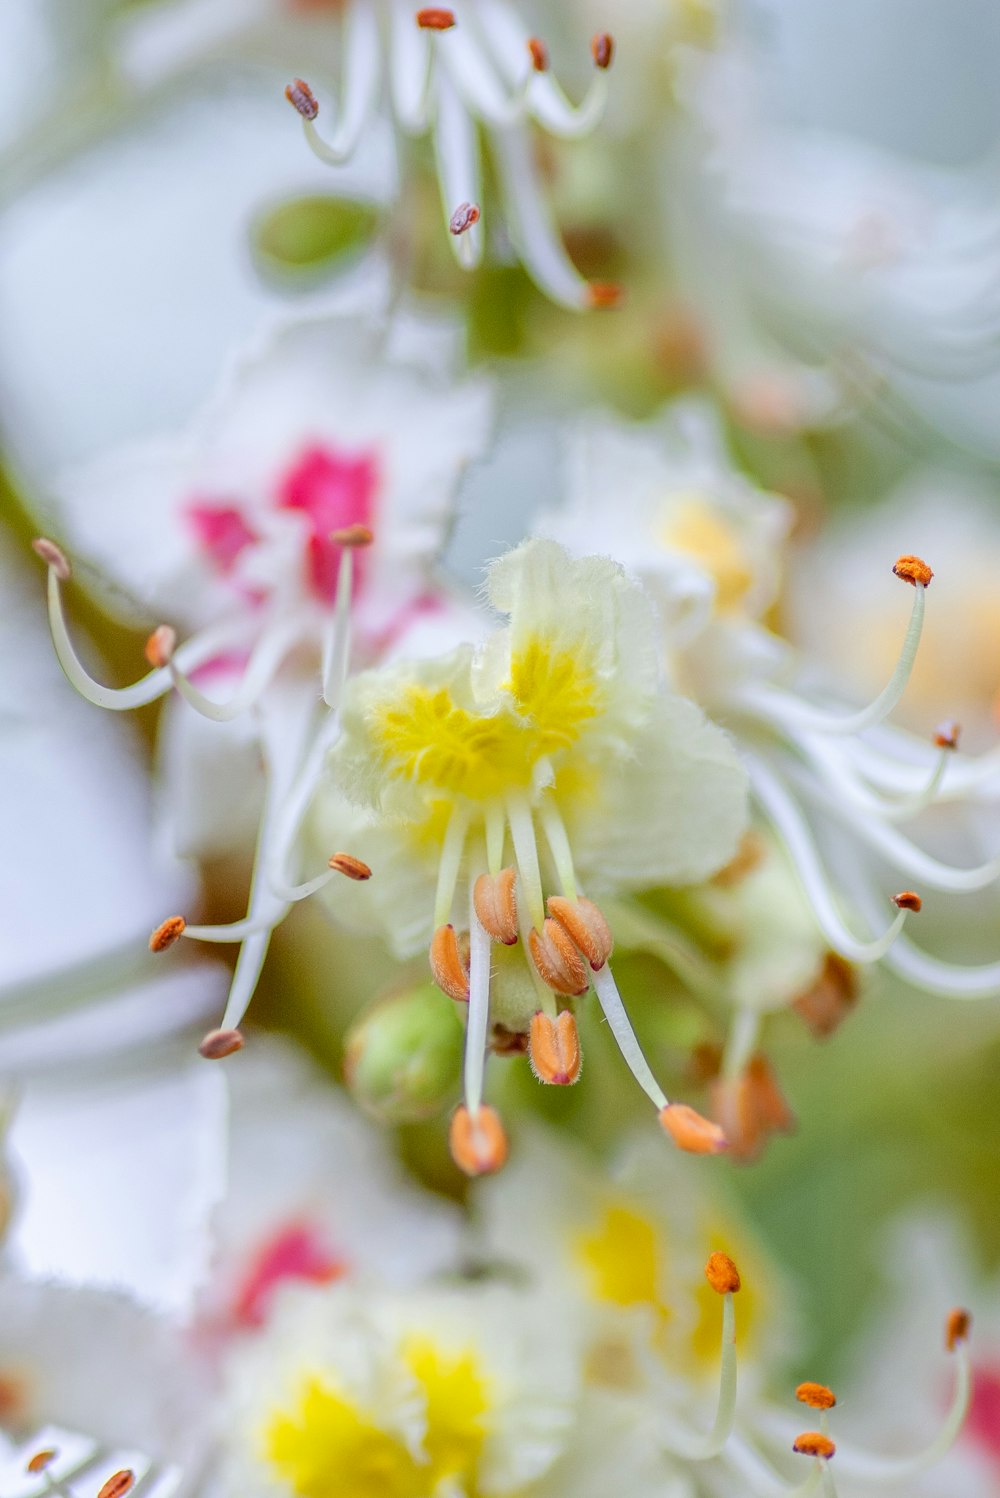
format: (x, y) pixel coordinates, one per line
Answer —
(327, 1446)
(556, 691)
(623, 1260)
(696, 530)
(457, 1409)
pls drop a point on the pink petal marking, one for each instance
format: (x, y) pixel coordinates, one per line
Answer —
(221, 532)
(295, 1252)
(333, 489)
(983, 1424)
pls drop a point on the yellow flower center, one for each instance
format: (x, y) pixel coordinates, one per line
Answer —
(425, 736)
(328, 1448)
(623, 1260)
(700, 533)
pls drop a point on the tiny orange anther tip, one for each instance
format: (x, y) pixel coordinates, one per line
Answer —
(167, 932)
(691, 1132)
(913, 570)
(812, 1443)
(946, 735)
(117, 1486)
(159, 648)
(349, 866)
(447, 965)
(465, 215)
(554, 1049)
(722, 1274)
(957, 1329)
(435, 18)
(602, 49)
(478, 1143)
(352, 535)
(602, 295)
(42, 1459)
(220, 1043)
(53, 556)
(539, 54)
(817, 1396)
(302, 99)
(908, 899)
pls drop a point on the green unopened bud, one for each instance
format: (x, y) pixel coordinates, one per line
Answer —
(403, 1058)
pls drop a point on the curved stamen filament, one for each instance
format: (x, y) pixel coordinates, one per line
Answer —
(451, 862)
(268, 653)
(791, 828)
(522, 832)
(899, 809)
(558, 841)
(763, 1480)
(294, 809)
(234, 931)
(786, 712)
(359, 88)
(409, 69)
(193, 653)
(621, 1027)
(479, 1010)
(530, 223)
(710, 1446)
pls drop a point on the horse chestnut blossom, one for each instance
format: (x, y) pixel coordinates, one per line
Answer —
(505, 787)
(292, 530)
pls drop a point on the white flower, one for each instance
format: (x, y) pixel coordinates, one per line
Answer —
(300, 516)
(451, 73)
(550, 760)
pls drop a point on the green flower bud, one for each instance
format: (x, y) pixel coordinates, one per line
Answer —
(403, 1058)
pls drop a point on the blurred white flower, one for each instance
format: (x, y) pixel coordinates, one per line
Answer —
(450, 73)
(296, 524)
(548, 760)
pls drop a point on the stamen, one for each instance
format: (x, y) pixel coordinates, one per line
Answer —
(301, 97)
(602, 295)
(614, 1012)
(352, 536)
(267, 655)
(946, 735)
(350, 867)
(530, 223)
(360, 72)
(449, 970)
(691, 1132)
(814, 1443)
(554, 1048)
(722, 1274)
(337, 645)
(912, 570)
(117, 1486)
(496, 905)
(556, 959)
(586, 925)
(41, 1459)
(826, 1004)
(602, 49)
(957, 1329)
(724, 1278)
(465, 215)
(816, 1396)
(55, 558)
(167, 932)
(160, 647)
(477, 1140)
(435, 18)
(908, 899)
(220, 1043)
(478, 1021)
(539, 54)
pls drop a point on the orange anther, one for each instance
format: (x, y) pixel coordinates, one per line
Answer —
(913, 570)
(42, 1459)
(450, 972)
(602, 49)
(908, 899)
(831, 998)
(53, 556)
(947, 734)
(465, 215)
(352, 535)
(539, 54)
(604, 294)
(220, 1043)
(691, 1132)
(349, 866)
(301, 97)
(166, 933)
(817, 1396)
(585, 923)
(478, 1142)
(495, 900)
(722, 1274)
(751, 1108)
(117, 1486)
(559, 964)
(957, 1329)
(159, 648)
(554, 1048)
(435, 18)
(812, 1443)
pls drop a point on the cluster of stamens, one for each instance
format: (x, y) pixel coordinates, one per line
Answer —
(40, 1465)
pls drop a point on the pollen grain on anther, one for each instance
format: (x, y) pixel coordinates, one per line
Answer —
(814, 1443)
(465, 215)
(435, 18)
(218, 1044)
(349, 866)
(539, 54)
(53, 556)
(913, 570)
(957, 1328)
(302, 99)
(602, 49)
(908, 899)
(118, 1485)
(722, 1274)
(159, 648)
(167, 932)
(816, 1396)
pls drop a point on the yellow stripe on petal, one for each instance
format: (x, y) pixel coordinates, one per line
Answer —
(623, 1260)
(556, 691)
(426, 737)
(457, 1409)
(698, 532)
(328, 1446)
